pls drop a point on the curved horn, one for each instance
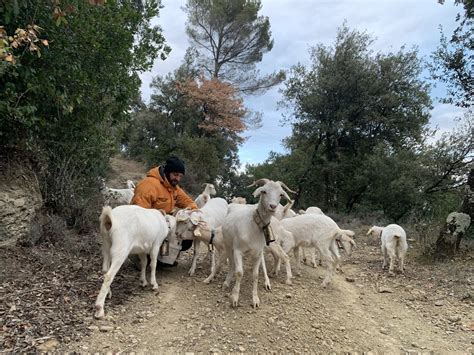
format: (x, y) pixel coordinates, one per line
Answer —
(282, 184)
(258, 182)
(288, 205)
(204, 185)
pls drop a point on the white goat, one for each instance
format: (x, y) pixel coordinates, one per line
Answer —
(239, 200)
(317, 231)
(244, 233)
(129, 230)
(130, 185)
(285, 211)
(311, 210)
(190, 224)
(394, 244)
(117, 197)
(205, 196)
(457, 224)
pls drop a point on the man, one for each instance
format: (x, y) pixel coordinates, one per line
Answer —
(160, 190)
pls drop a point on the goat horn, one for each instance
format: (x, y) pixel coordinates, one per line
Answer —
(288, 205)
(282, 184)
(259, 181)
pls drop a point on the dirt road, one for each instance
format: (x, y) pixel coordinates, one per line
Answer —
(363, 310)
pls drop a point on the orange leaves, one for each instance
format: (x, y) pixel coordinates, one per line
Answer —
(221, 108)
(23, 37)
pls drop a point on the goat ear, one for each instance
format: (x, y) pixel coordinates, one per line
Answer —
(195, 218)
(257, 192)
(181, 216)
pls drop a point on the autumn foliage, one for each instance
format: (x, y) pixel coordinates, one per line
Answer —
(221, 108)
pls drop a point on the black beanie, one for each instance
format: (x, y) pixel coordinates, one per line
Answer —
(174, 165)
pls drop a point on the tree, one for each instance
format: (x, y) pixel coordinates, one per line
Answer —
(194, 117)
(452, 61)
(230, 38)
(61, 109)
(346, 103)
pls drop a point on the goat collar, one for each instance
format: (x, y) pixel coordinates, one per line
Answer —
(267, 230)
(259, 220)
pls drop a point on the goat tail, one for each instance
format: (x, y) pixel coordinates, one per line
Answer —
(106, 220)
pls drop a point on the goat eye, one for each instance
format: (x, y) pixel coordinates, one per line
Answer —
(264, 192)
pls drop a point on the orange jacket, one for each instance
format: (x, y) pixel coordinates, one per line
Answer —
(154, 191)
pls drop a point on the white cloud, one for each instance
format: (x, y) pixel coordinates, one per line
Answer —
(298, 24)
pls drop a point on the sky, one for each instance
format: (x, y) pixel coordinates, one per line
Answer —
(297, 25)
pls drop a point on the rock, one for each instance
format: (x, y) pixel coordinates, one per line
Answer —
(384, 331)
(48, 345)
(288, 295)
(241, 349)
(439, 303)
(93, 327)
(106, 328)
(454, 318)
(271, 320)
(76, 266)
(383, 289)
(350, 279)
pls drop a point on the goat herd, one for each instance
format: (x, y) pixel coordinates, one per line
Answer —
(232, 230)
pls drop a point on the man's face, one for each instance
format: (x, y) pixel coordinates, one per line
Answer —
(175, 178)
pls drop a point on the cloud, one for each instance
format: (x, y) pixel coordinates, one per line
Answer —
(297, 25)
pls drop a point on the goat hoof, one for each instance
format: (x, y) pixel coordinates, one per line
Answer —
(288, 282)
(268, 287)
(256, 303)
(99, 313)
(207, 281)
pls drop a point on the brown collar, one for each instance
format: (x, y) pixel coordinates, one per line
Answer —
(258, 219)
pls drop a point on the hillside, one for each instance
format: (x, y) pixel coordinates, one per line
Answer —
(49, 294)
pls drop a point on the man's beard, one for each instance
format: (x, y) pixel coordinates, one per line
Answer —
(174, 182)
